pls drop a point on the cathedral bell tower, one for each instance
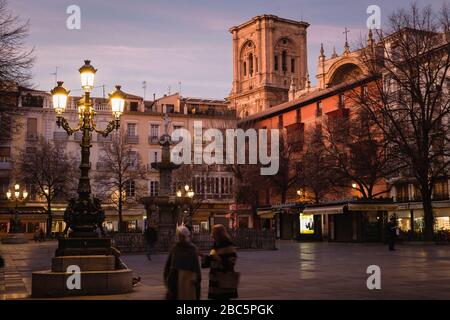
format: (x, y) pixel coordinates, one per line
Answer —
(269, 55)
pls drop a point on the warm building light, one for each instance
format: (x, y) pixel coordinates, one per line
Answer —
(117, 99)
(59, 95)
(87, 73)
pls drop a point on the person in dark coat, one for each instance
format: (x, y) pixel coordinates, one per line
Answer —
(391, 233)
(223, 280)
(151, 237)
(182, 274)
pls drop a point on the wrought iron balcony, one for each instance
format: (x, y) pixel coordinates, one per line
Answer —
(103, 166)
(132, 139)
(153, 140)
(60, 136)
(5, 163)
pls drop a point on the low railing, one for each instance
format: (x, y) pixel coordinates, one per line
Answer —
(5, 163)
(103, 166)
(132, 139)
(60, 136)
(153, 140)
(256, 239)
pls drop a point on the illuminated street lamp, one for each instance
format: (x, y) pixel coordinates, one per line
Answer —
(187, 194)
(83, 214)
(17, 196)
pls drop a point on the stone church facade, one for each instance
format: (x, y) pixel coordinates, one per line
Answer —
(269, 54)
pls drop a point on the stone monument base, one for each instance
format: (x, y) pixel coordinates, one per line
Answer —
(15, 238)
(98, 276)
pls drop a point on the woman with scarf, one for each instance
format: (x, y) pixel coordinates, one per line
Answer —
(223, 280)
(182, 275)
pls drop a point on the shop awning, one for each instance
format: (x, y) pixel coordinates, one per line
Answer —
(325, 210)
(265, 214)
(372, 207)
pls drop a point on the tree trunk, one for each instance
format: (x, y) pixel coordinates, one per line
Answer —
(428, 216)
(120, 206)
(49, 219)
(283, 196)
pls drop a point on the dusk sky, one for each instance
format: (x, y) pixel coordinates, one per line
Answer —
(166, 42)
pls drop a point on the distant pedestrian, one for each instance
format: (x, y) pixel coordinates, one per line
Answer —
(151, 237)
(223, 280)
(37, 234)
(41, 235)
(391, 233)
(182, 274)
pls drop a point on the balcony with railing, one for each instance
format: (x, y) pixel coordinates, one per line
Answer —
(153, 140)
(5, 163)
(101, 138)
(103, 166)
(132, 139)
(32, 136)
(440, 196)
(60, 136)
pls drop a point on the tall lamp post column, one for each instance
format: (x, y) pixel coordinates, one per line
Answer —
(188, 195)
(17, 196)
(15, 235)
(84, 214)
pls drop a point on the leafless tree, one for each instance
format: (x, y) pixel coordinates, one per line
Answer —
(314, 167)
(49, 169)
(288, 175)
(408, 97)
(356, 153)
(120, 170)
(247, 182)
(15, 59)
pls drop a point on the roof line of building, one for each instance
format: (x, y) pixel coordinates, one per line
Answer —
(269, 16)
(304, 100)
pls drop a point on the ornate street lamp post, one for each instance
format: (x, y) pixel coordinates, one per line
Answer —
(186, 194)
(16, 196)
(84, 214)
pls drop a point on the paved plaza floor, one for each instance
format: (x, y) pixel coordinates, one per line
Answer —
(294, 271)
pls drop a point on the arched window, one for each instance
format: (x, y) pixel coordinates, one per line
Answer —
(292, 65)
(244, 67)
(284, 60)
(250, 64)
(275, 58)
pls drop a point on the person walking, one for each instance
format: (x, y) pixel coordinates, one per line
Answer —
(182, 274)
(151, 237)
(391, 233)
(41, 234)
(223, 280)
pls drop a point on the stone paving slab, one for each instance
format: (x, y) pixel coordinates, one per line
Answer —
(295, 271)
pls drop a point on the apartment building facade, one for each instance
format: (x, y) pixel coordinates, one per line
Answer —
(31, 116)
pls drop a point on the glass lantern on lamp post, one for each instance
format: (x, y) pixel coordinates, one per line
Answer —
(17, 196)
(84, 214)
(187, 196)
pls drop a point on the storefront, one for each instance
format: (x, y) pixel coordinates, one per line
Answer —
(31, 219)
(351, 221)
(284, 219)
(413, 211)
